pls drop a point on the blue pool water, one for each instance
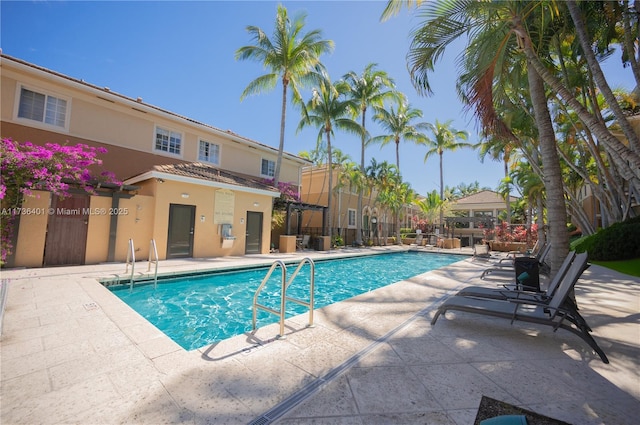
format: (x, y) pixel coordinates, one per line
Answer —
(198, 310)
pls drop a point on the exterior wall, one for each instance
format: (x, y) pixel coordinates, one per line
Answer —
(315, 190)
(207, 236)
(97, 250)
(137, 224)
(29, 249)
(126, 128)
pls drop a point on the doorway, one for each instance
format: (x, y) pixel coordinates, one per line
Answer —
(66, 238)
(253, 241)
(181, 224)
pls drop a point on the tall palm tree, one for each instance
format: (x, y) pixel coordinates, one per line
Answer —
(290, 56)
(370, 88)
(398, 123)
(499, 32)
(446, 138)
(329, 108)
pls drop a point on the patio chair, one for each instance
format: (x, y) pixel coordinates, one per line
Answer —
(513, 290)
(481, 251)
(303, 242)
(558, 311)
(508, 266)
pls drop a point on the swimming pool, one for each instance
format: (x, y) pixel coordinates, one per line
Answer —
(198, 310)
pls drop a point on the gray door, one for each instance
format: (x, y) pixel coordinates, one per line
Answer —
(181, 223)
(254, 233)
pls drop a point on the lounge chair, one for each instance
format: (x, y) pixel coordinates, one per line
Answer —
(558, 311)
(481, 251)
(303, 242)
(513, 290)
(509, 266)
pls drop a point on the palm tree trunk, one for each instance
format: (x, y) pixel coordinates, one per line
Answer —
(329, 223)
(598, 75)
(276, 177)
(360, 190)
(506, 174)
(556, 208)
(441, 198)
(629, 43)
(627, 160)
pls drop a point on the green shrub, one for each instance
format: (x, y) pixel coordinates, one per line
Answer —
(620, 241)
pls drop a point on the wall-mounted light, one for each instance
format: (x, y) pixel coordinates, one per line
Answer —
(160, 180)
(184, 195)
(256, 204)
(202, 219)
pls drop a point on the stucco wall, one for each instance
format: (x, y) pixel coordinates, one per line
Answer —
(29, 249)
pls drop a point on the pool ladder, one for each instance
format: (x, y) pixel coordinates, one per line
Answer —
(153, 258)
(283, 297)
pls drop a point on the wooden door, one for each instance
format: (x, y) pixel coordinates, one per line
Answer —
(66, 239)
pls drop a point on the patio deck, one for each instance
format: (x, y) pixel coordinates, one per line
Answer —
(74, 353)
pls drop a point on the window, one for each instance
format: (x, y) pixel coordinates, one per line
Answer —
(268, 168)
(43, 108)
(351, 218)
(209, 152)
(168, 141)
(481, 214)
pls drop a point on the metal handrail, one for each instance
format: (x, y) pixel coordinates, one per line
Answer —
(153, 250)
(131, 259)
(311, 287)
(283, 297)
(256, 305)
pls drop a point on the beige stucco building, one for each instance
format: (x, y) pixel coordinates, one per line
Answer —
(376, 221)
(196, 190)
(484, 204)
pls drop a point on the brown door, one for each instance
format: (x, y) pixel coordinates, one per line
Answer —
(67, 231)
(181, 224)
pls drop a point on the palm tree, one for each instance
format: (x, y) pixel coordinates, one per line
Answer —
(431, 205)
(499, 148)
(499, 32)
(387, 179)
(447, 138)
(329, 108)
(399, 126)
(367, 89)
(290, 56)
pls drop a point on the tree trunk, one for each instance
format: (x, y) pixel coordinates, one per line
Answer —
(329, 223)
(598, 75)
(276, 177)
(627, 160)
(556, 208)
(361, 189)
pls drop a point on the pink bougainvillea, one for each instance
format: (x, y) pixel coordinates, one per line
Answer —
(504, 232)
(25, 167)
(288, 193)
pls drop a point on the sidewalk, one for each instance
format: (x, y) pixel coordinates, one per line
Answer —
(74, 353)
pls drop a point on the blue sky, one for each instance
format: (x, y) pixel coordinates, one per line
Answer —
(180, 56)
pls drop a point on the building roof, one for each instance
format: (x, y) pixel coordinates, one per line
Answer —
(139, 104)
(484, 197)
(209, 175)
